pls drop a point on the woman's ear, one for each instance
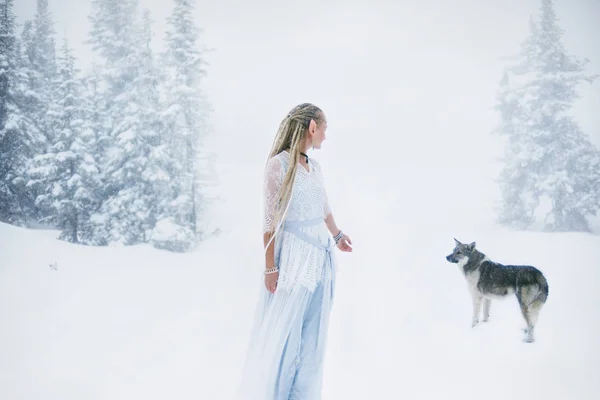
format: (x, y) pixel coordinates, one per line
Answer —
(312, 127)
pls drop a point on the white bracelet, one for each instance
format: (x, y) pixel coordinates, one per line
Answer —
(271, 270)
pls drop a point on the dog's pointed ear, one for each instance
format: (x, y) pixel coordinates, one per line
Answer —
(472, 246)
(457, 242)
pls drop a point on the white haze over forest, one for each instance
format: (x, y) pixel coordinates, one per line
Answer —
(408, 86)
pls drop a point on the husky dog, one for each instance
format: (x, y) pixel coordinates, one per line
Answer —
(487, 280)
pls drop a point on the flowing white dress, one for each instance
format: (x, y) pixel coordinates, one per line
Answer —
(288, 339)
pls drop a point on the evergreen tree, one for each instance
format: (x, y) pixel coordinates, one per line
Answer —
(95, 129)
(161, 167)
(68, 171)
(139, 162)
(33, 84)
(38, 64)
(42, 59)
(545, 145)
(135, 157)
(8, 53)
(20, 138)
(185, 116)
(112, 37)
(516, 180)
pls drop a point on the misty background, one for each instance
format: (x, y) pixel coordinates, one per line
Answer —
(407, 86)
(409, 89)
(410, 161)
(380, 69)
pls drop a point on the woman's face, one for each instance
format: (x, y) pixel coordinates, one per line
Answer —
(318, 132)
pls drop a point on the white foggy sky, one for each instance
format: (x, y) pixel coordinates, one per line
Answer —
(394, 77)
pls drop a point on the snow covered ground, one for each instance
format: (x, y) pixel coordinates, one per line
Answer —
(137, 323)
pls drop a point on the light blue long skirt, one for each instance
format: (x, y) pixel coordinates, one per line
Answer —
(287, 345)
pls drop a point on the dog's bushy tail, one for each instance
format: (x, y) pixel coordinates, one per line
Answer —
(532, 287)
(542, 296)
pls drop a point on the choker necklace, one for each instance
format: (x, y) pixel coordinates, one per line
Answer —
(305, 156)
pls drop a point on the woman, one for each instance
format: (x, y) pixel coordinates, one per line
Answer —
(287, 345)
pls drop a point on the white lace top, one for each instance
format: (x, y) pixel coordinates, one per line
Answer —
(300, 262)
(309, 199)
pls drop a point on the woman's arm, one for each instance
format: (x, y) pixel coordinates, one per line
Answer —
(331, 225)
(272, 186)
(270, 251)
(344, 243)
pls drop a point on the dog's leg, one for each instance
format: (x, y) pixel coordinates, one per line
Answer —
(486, 309)
(530, 308)
(529, 338)
(526, 315)
(522, 305)
(533, 312)
(529, 330)
(476, 308)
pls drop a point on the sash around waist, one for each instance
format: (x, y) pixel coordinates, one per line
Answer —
(293, 228)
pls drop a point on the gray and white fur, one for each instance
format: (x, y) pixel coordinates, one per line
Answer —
(488, 280)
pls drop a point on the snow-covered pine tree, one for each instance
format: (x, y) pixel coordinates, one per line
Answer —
(134, 156)
(30, 102)
(545, 145)
(95, 129)
(68, 171)
(8, 55)
(42, 58)
(185, 116)
(111, 35)
(8, 65)
(20, 138)
(519, 200)
(39, 63)
(162, 167)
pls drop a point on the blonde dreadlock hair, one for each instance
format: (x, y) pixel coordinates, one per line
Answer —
(291, 133)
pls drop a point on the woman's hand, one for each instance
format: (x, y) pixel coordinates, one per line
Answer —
(271, 281)
(345, 244)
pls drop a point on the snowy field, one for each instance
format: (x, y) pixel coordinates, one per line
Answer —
(137, 323)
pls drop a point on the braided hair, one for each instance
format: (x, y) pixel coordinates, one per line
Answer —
(290, 135)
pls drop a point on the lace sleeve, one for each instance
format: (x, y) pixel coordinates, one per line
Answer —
(273, 180)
